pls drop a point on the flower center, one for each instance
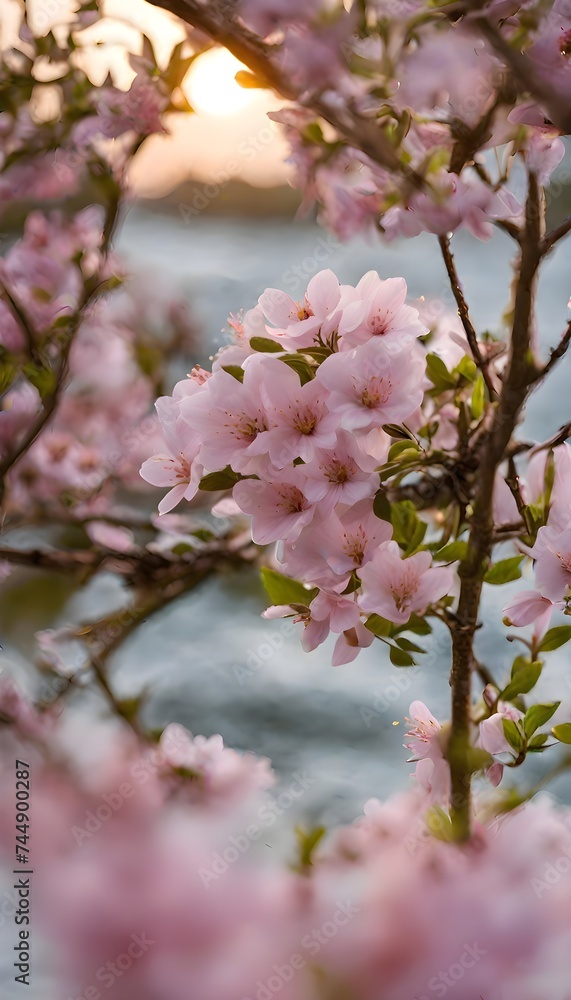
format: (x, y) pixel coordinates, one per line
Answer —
(376, 393)
(305, 421)
(292, 500)
(338, 471)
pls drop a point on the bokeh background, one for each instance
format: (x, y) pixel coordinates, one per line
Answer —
(214, 218)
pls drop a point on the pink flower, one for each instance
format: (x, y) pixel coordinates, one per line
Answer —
(299, 418)
(491, 737)
(337, 475)
(179, 467)
(329, 613)
(280, 507)
(299, 323)
(379, 310)
(230, 418)
(552, 552)
(395, 588)
(527, 607)
(374, 384)
(328, 550)
(425, 742)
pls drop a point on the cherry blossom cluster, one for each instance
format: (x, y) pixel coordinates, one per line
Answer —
(439, 89)
(295, 415)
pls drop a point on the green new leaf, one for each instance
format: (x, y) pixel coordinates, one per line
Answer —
(223, 480)
(419, 626)
(411, 647)
(504, 571)
(265, 346)
(299, 365)
(524, 680)
(536, 744)
(378, 626)
(307, 841)
(235, 371)
(467, 369)
(283, 590)
(403, 450)
(381, 506)
(555, 638)
(396, 431)
(478, 398)
(513, 734)
(399, 658)
(562, 732)
(453, 552)
(438, 373)
(538, 715)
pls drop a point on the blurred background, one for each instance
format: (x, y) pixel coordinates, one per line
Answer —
(213, 218)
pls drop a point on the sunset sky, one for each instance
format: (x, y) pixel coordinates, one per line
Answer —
(229, 132)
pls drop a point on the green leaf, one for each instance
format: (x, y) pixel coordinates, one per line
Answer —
(555, 638)
(403, 450)
(467, 368)
(234, 370)
(265, 346)
(381, 506)
(536, 744)
(453, 552)
(513, 734)
(438, 373)
(504, 571)
(562, 732)
(223, 480)
(538, 715)
(407, 526)
(399, 658)
(524, 680)
(378, 626)
(283, 590)
(307, 841)
(417, 625)
(299, 365)
(411, 647)
(478, 398)
(396, 431)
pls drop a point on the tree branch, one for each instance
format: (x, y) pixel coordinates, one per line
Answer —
(464, 314)
(556, 354)
(550, 239)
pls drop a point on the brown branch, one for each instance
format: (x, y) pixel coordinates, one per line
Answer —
(362, 132)
(524, 73)
(520, 371)
(550, 239)
(464, 314)
(559, 438)
(556, 354)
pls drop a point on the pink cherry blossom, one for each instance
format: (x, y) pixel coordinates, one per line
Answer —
(530, 606)
(300, 421)
(298, 324)
(395, 588)
(373, 384)
(379, 310)
(230, 418)
(426, 743)
(552, 552)
(280, 507)
(342, 474)
(180, 467)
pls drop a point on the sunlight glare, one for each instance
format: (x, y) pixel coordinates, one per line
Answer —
(211, 87)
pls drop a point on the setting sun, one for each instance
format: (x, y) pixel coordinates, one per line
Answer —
(211, 84)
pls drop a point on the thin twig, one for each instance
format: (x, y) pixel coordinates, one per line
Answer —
(556, 354)
(550, 239)
(464, 314)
